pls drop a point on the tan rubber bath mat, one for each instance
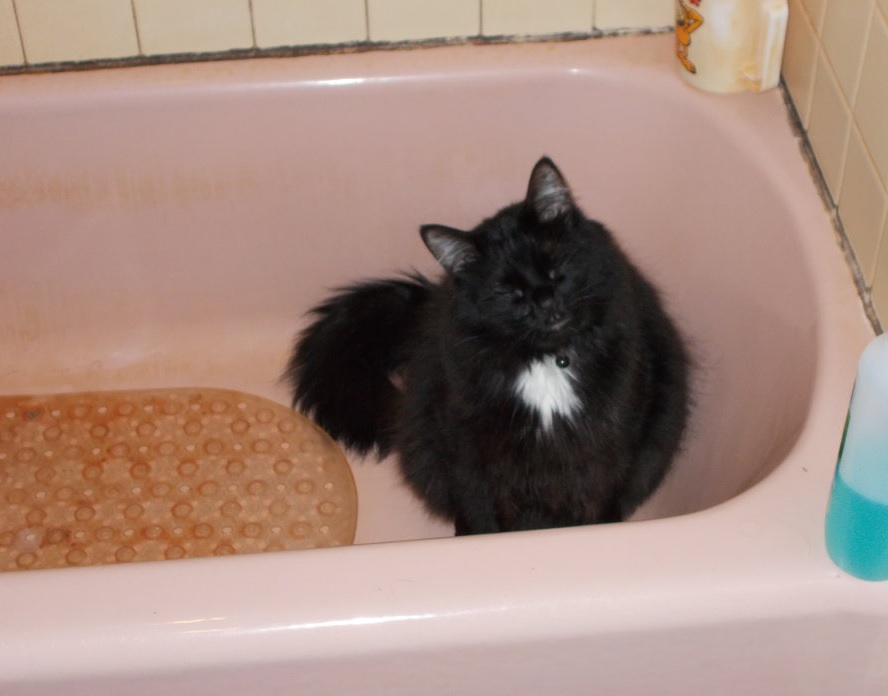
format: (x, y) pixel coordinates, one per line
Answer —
(111, 477)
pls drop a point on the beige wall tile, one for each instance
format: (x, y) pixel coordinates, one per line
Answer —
(10, 43)
(634, 14)
(862, 204)
(829, 125)
(302, 22)
(800, 59)
(880, 284)
(76, 29)
(402, 20)
(845, 28)
(185, 26)
(816, 10)
(871, 106)
(515, 17)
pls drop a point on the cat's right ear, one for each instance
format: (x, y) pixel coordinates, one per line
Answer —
(548, 194)
(453, 248)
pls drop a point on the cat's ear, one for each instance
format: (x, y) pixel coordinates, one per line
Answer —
(548, 195)
(453, 248)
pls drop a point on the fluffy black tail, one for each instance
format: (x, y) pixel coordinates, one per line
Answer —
(342, 365)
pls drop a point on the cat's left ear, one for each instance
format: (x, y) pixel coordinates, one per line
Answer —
(453, 248)
(548, 195)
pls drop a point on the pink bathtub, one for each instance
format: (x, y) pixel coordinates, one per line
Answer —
(169, 226)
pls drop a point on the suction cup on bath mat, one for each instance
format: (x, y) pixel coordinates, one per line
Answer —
(110, 477)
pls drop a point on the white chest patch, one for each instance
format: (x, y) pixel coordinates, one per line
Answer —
(547, 389)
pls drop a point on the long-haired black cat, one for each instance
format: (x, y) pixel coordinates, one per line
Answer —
(539, 383)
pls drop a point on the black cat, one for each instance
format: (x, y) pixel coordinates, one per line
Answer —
(539, 384)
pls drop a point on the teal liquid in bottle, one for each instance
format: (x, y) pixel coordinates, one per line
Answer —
(857, 518)
(856, 529)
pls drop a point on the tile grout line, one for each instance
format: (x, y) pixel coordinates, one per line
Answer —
(874, 17)
(865, 45)
(813, 66)
(252, 23)
(878, 324)
(850, 103)
(844, 104)
(367, 20)
(136, 25)
(864, 290)
(18, 26)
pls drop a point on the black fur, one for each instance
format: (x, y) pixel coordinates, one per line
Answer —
(538, 280)
(343, 367)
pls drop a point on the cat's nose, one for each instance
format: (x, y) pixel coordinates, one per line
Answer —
(556, 319)
(544, 298)
(549, 308)
(552, 313)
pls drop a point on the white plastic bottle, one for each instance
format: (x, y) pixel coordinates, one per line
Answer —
(730, 45)
(857, 518)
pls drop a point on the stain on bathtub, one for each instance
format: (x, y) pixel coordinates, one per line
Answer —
(129, 188)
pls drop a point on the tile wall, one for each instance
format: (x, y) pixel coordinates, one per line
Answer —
(835, 66)
(836, 69)
(48, 31)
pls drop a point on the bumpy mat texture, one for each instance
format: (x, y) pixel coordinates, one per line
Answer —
(113, 477)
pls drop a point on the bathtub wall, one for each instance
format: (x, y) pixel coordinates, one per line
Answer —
(835, 67)
(835, 64)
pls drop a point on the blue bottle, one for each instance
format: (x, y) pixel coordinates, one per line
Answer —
(857, 518)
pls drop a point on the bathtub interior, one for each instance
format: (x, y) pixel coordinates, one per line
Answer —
(173, 230)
